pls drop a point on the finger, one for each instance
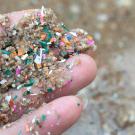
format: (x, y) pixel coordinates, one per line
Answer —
(16, 16)
(82, 75)
(52, 118)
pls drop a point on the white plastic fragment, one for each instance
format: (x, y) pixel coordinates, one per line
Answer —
(3, 81)
(24, 56)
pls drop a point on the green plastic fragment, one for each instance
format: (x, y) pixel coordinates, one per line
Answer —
(64, 54)
(49, 90)
(49, 36)
(43, 117)
(8, 43)
(46, 50)
(30, 52)
(20, 86)
(46, 29)
(31, 82)
(43, 43)
(15, 97)
(5, 52)
(29, 110)
(37, 122)
(8, 72)
(27, 92)
(28, 61)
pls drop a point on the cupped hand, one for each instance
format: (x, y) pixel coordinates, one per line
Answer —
(62, 109)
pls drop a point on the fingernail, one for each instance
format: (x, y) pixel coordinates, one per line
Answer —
(84, 98)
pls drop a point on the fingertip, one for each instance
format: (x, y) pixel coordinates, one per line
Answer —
(73, 102)
(86, 69)
(82, 75)
(64, 111)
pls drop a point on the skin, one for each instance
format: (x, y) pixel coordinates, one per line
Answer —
(62, 109)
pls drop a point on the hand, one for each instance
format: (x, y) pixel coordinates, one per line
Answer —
(59, 114)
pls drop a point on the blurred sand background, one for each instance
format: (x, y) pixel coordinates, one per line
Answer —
(111, 109)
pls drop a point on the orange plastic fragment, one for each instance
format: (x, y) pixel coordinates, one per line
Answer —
(13, 54)
(20, 52)
(38, 65)
(11, 103)
(66, 41)
(43, 37)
